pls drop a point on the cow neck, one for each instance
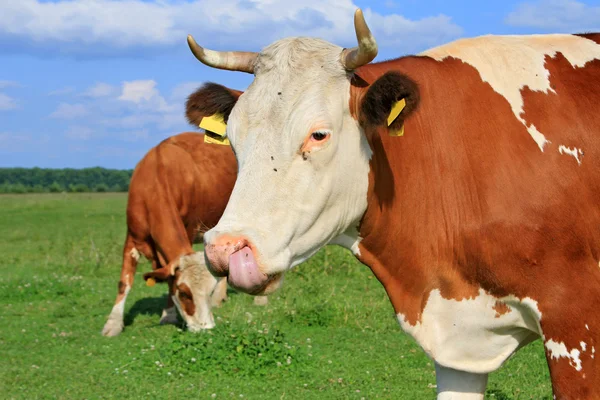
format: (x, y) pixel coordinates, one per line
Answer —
(399, 230)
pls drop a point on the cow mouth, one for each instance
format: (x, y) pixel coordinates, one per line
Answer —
(245, 274)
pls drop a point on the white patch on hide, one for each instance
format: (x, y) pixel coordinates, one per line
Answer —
(558, 350)
(114, 325)
(135, 254)
(583, 346)
(511, 63)
(466, 335)
(575, 152)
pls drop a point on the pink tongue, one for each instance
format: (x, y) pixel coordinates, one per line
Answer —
(244, 273)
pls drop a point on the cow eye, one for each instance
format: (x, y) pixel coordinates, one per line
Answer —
(184, 295)
(318, 135)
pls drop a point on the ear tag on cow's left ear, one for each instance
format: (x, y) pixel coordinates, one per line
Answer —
(150, 282)
(396, 110)
(215, 129)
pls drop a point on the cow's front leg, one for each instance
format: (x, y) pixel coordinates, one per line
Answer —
(459, 385)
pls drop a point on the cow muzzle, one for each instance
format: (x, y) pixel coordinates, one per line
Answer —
(234, 257)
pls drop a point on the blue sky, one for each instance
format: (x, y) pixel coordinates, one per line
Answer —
(99, 82)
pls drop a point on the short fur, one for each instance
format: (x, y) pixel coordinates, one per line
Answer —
(208, 100)
(382, 94)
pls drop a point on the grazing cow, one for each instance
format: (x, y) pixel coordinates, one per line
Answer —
(466, 177)
(178, 190)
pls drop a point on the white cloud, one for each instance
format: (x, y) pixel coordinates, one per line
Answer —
(69, 111)
(100, 89)
(557, 15)
(139, 91)
(108, 27)
(145, 95)
(7, 103)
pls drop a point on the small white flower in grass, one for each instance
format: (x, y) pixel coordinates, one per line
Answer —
(168, 373)
(278, 364)
(328, 361)
(193, 359)
(289, 361)
(357, 390)
(213, 395)
(305, 385)
(124, 371)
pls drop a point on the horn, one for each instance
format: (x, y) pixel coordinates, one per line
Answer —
(367, 46)
(242, 61)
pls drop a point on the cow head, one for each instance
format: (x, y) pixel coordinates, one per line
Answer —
(303, 155)
(191, 286)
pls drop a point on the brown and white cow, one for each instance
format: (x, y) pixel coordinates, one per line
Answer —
(482, 221)
(177, 191)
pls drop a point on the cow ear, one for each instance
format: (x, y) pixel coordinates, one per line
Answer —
(164, 273)
(382, 95)
(208, 100)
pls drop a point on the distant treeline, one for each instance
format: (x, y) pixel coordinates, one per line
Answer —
(40, 180)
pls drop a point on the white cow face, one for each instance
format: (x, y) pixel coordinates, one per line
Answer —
(303, 158)
(303, 164)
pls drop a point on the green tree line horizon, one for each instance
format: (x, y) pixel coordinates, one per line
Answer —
(57, 180)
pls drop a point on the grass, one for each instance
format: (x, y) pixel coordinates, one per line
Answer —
(330, 333)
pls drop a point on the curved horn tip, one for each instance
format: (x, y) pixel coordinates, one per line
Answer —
(191, 41)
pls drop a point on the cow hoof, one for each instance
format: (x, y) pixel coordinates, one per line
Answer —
(112, 327)
(169, 316)
(261, 300)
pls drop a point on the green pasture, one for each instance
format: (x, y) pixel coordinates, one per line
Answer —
(330, 333)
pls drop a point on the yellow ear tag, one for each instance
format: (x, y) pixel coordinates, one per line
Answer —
(211, 138)
(215, 129)
(150, 282)
(396, 110)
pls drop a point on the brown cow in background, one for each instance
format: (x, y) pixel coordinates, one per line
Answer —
(178, 190)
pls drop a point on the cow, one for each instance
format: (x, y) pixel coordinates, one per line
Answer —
(466, 177)
(178, 190)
